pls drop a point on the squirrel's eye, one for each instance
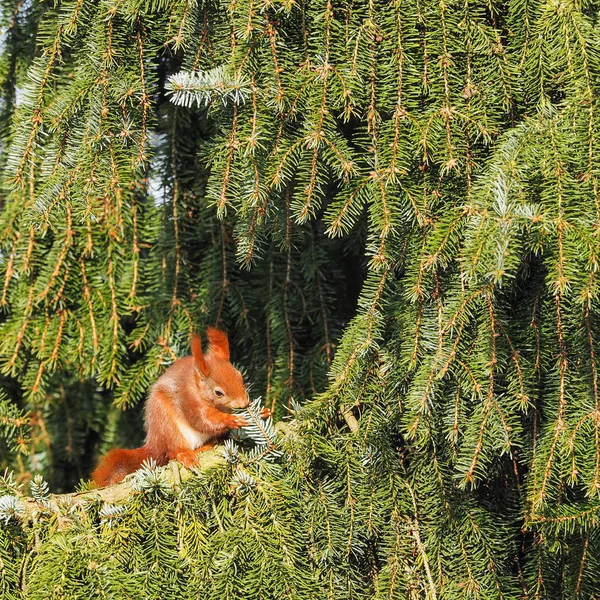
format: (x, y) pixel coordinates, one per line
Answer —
(219, 392)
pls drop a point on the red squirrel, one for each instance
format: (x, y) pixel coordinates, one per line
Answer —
(187, 410)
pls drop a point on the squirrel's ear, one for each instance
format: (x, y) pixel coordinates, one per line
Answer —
(219, 345)
(198, 355)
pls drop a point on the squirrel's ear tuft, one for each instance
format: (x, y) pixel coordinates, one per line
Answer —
(198, 355)
(219, 345)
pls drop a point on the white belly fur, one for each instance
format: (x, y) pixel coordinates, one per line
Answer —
(194, 438)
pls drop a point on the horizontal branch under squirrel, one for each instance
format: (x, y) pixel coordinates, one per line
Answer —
(118, 493)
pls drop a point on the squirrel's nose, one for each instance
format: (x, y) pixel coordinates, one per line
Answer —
(244, 402)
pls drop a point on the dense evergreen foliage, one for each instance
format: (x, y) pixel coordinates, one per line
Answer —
(392, 207)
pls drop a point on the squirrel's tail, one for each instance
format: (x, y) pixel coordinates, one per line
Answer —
(113, 467)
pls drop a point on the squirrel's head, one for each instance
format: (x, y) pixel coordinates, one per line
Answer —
(217, 379)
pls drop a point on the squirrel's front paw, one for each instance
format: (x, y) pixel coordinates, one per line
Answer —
(237, 422)
(265, 413)
(189, 458)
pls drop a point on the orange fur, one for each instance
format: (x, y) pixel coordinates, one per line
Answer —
(118, 463)
(187, 410)
(219, 344)
(198, 355)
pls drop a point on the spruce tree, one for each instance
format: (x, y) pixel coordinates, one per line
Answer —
(392, 207)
